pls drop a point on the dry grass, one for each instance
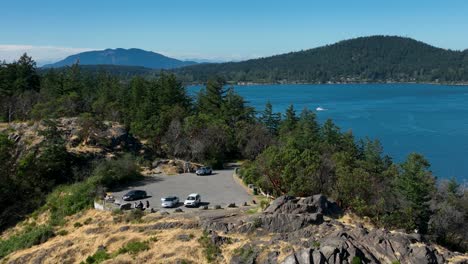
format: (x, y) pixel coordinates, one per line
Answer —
(353, 220)
(458, 259)
(83, 241)
(164, 246)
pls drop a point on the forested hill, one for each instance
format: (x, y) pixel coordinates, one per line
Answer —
(364, 59)
(126, 57)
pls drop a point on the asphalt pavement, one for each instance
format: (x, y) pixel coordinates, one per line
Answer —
(217, 189)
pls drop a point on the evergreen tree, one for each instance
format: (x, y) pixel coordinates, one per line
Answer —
(211, 99)
(270, 119)
(415, 185)
(290, 120)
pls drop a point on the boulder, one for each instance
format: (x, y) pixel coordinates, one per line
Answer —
(278, 203)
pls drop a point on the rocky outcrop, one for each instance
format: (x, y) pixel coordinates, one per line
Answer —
(313, 204)
(300, 221)
(288, 214)
(364, 246)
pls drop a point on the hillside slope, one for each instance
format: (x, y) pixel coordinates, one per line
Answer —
(126, 57)
(375, 58)
(299, 234)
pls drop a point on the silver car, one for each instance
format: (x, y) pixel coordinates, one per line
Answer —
(204, 171)
(169, 201)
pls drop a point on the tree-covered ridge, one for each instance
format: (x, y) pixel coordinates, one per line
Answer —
(364, 59)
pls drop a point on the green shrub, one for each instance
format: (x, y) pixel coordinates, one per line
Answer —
(29, 238)
(257, 222)
(252, 211)
(264, 203)
(356, 260)
(111, 173)
(98, 257)
(244, 253)
(134, 215)
(315, 244)
(62, 233)
(77, 225)
(87, 221)
(210, 250)
(69, 199)
(133, 248)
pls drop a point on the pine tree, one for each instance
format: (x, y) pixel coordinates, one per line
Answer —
(270, 119)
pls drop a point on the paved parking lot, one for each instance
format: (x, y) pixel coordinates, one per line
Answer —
(218, 188)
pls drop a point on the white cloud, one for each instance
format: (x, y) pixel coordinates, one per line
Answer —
(41, 54)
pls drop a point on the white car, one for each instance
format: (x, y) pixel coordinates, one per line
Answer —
(192, 200)
(169, 201)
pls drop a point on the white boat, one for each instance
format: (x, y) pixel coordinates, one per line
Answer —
(320, 109)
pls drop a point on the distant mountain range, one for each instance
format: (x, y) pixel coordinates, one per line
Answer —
(364, 59)
(124, 57)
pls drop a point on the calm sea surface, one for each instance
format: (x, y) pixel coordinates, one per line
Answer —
(429, 119)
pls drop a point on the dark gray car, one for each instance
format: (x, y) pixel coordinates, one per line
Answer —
(134, 195)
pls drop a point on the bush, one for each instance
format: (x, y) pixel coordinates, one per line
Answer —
(264, 203)
(133, 247)
(134, 215)
(87, 221)
(98, 257)
(244, 253)
(356, 260)
(257, 222)
(62, 233)
(69, 199)
(111, 173)
(210, 250)
(29, 238)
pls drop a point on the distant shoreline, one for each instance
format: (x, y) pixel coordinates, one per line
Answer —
(332, 83)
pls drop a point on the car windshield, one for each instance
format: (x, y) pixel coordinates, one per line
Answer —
(191, 198)
(169, 199)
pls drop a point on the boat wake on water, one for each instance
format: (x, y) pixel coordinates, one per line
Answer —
(320, 109)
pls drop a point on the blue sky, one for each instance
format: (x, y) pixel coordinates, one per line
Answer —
(220, 30)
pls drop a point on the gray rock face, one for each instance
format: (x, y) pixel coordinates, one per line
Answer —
(279, 223)
(375, 246)
(313, 204)
(288, 214)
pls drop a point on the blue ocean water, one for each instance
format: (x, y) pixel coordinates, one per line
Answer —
(428, 119)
